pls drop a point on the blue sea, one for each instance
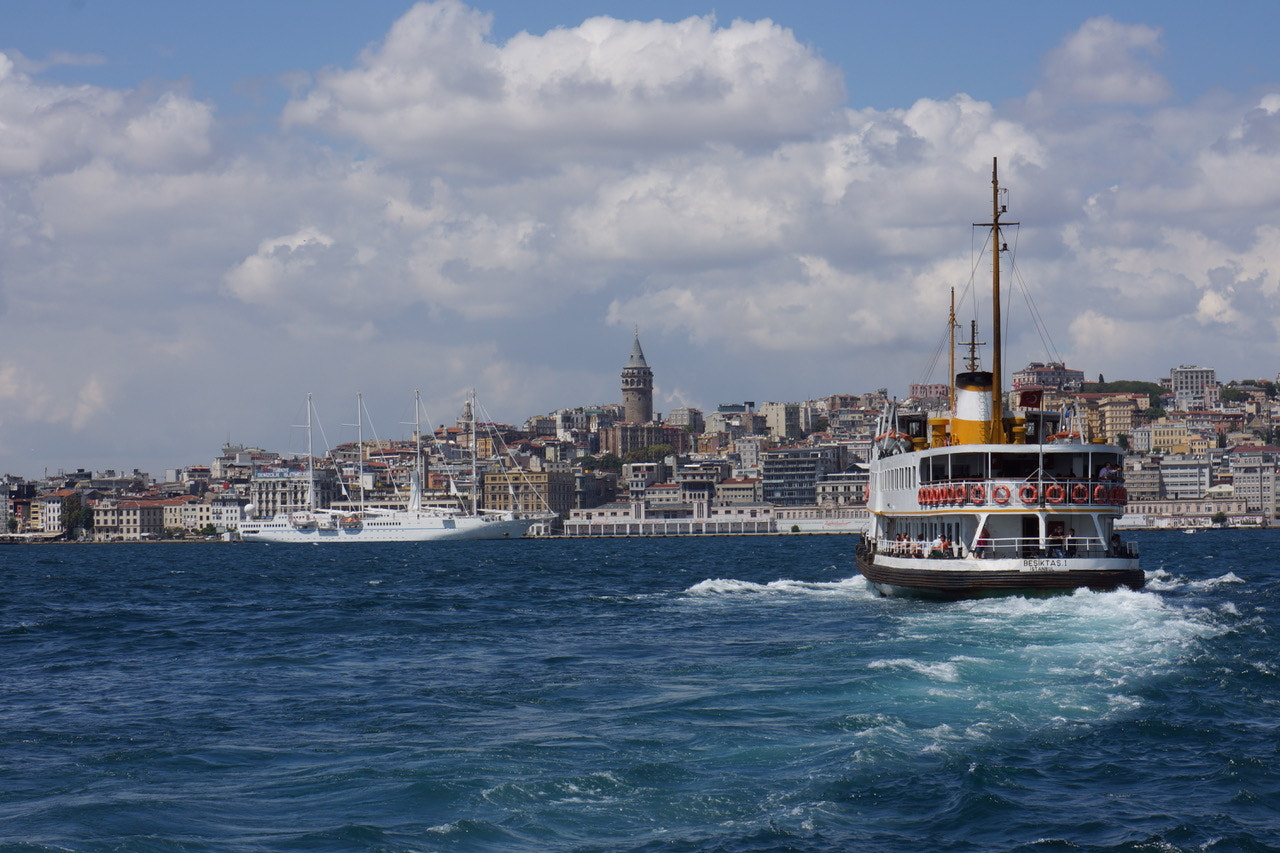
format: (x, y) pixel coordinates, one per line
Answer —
(657, 695)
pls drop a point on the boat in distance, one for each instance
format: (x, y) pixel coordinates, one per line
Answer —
(414, 523)
(373, 525)
(976, 502)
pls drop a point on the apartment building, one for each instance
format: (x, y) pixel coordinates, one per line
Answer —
(123, 520)
(530, 491)
(1053, 374)
(790, 475)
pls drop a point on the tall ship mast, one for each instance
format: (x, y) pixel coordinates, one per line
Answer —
(976, 502)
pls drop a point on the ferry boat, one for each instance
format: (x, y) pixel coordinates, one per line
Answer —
(977, 502)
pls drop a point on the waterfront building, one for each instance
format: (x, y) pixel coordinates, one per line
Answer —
(284, 490)
(1190, 512)
(1253, 474)
(790, 475)
(847, 488)
(530, 491)
(739, 490)
(125, 520)
(635, 518)
(1142, 478)
(187, 513)
(1185, 477)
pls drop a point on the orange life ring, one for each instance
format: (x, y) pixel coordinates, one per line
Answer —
(921, 494)
(1100, 493)
(1028, 493)
(977, 494)
(1054, 493)
(1000, 494)
(1079, 493)
(1119, 496)
(962, 492)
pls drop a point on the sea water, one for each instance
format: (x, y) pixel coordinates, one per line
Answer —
(684, 694)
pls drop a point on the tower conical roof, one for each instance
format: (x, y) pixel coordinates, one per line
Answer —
(637, 354)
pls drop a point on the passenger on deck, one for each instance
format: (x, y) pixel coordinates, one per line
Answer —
(980, 549)
(1055, 543)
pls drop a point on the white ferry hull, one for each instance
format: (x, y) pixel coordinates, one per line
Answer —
(970, 578)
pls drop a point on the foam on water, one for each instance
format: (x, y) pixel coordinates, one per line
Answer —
(848, 588)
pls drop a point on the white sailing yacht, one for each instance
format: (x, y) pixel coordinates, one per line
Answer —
(415, 523)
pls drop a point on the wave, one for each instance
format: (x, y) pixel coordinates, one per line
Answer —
(855, 587)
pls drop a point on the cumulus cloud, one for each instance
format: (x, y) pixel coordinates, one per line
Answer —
(438, 88)
(51, 128)
(48, 399)
(1105, 63)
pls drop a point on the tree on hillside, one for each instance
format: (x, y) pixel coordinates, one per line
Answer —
(652, 453)
(606, 462)
(1153, 390)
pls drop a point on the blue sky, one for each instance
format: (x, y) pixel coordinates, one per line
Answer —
(890, 53)
(208, 210)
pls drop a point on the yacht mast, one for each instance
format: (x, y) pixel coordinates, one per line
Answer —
(415, 480)
(475, 506)
(311, 463)
(360, 447)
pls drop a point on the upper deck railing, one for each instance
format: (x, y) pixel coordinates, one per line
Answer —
(1041, 492)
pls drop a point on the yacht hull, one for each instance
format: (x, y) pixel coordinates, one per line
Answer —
(429, 529)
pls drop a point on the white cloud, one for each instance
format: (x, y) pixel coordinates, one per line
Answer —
(1104, 63)
(437, 88)
(50, 128)
(48, 398)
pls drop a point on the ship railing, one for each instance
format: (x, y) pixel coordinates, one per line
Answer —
(1010, 547)
(1048, 492)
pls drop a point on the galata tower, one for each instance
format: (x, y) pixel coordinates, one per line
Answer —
(637, 387)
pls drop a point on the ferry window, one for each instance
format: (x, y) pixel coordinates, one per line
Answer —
(967, 466)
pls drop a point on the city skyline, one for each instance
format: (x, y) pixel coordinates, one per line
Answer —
(205, 218)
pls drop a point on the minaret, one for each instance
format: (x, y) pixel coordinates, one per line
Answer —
(637, 387)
